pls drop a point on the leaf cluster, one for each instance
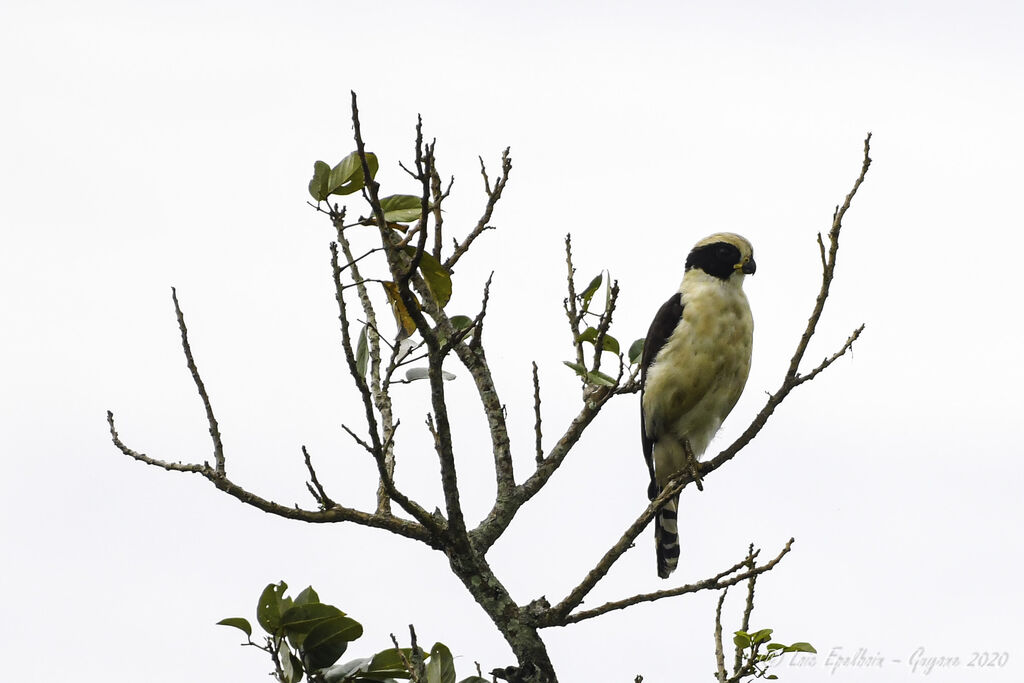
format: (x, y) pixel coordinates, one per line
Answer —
(596, 335)
(756, 659)
(347, 177)
(306, 637)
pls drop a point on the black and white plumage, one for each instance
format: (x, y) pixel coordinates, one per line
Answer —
(695, 363)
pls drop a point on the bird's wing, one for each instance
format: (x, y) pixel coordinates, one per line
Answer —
(666, 320)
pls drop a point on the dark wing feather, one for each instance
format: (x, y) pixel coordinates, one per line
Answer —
(666, 320)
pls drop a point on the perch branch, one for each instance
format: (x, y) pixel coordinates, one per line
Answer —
(714, 583)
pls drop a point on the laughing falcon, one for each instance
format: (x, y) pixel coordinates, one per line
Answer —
(695, 362)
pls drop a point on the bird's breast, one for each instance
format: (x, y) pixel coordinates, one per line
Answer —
(698, 375)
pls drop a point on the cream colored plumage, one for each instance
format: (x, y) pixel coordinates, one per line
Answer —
(695, 364)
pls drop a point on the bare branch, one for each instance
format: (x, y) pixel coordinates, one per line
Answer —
(570, 303)
(403, 270)
(493, 195)
(847, 346)
(505, 508)
(478, 322)
(792, 378)
(381, 398)
(314, 486)
(715, 583)
(536, 414)
(604, 324)
(830, 265)
(218, 446)
(560, 612)
(337, 513)
(438, 197)
(719, 650)
(748, 609)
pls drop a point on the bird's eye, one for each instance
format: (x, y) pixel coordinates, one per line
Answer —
(724, 252)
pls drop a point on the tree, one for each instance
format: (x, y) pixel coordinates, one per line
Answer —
(417, 287)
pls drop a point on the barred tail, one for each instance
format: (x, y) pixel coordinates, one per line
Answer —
(666, 538)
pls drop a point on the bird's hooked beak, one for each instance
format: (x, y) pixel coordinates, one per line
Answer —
(747, 266)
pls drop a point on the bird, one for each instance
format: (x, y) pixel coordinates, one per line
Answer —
(694, 365)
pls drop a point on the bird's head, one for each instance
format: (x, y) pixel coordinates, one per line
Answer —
(724, 255)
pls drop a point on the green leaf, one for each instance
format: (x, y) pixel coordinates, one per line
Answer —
(441, 665)
(591, 377)
(329, 639)
(636, 351)
(307, 596)
(772, 677)
(318, 185)
(302, 618)
(362, 358)
(600, 379)
(741, 640)
(611, 344)
(579, 369)
(347, 176)
(587, 294)
(460, 322)
(801, 647)
(775, 646)
(388, 663)
(239, 623)
(438, 279)
(346, 671)
(401, 208)
(762, 636)
(269, 608)
(296, 665)
(474, 679)
(290, 664)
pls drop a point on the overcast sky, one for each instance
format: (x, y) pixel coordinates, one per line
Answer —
(150, 145)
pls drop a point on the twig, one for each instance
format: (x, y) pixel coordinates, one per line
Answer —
(505, 507)
(748, 609)
(351, 262)
(355, 437)
(713, 583)
(570, 303)
(536, 414)
(381, 398)
(418, 672)
(218, 446)
(478, 322)
(438, 197)
(719, 649)
(560, 612)
(604, 323)
(792, 378)
(493, 195)
(321, 497)
(337, 513)
(403, 276)
(406, 664)
(828, 271)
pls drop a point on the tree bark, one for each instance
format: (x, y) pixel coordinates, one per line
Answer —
(514, 625)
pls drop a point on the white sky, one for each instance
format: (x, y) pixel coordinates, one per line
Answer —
(146, 145)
